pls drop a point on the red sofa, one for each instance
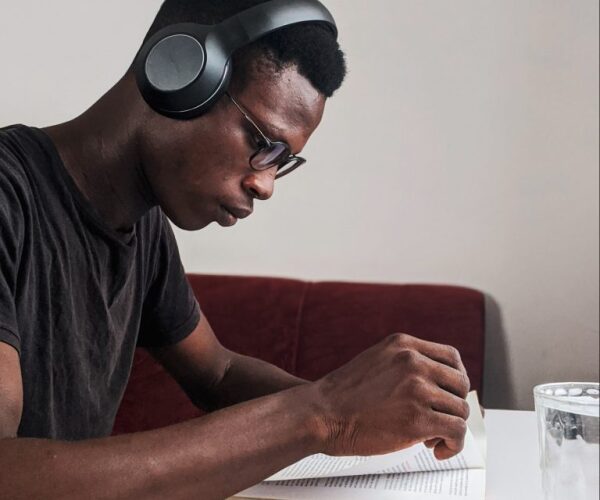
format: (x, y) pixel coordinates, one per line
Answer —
(308, 329)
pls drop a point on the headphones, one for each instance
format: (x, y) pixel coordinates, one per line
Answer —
(183, 69)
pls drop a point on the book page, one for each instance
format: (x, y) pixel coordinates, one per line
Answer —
(462, 484)
(418, 458)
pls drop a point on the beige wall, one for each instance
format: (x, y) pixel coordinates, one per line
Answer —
(463, 149)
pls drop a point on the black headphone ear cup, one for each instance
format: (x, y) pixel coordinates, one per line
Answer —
(181, 71)
(175, 62)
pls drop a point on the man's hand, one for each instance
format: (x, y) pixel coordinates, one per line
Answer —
(400, 392)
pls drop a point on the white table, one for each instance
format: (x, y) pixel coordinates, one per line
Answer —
(513, 471)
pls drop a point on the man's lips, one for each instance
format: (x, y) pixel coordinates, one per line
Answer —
(230, 215)
(239, 212)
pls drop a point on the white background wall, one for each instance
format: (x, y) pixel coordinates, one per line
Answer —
(462, 149)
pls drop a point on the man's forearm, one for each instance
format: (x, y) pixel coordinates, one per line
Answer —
(212, 457)
(247, 378)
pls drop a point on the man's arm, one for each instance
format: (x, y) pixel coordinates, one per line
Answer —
(211, 458)
(399, 392)
(214, 377)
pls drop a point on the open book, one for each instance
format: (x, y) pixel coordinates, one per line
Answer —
(410, 474)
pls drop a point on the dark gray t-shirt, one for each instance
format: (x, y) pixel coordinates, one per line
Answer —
(76, 297)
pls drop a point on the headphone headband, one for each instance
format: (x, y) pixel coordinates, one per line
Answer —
(251, 24)
(185, 68)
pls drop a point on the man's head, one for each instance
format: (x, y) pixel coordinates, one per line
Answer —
(199, 169)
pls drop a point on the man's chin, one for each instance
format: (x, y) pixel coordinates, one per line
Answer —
(190, 225)
(229, 223)
(223, 218)
(198, 226)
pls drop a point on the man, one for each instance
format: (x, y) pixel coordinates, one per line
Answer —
(89, 269)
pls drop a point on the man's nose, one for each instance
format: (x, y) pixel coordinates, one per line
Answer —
(260, 184)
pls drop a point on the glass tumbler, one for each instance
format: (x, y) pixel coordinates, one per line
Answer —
(567, 415)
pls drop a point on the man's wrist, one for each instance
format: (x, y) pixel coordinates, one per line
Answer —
(307, 399)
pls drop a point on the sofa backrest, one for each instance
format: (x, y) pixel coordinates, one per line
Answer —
(308, 329)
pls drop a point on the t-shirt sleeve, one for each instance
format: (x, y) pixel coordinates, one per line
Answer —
(170, 312)
(11, 242)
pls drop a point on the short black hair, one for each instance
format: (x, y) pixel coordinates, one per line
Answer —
(311, 47)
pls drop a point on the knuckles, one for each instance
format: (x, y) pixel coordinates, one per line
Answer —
(407, 357)
(400, 339)
(454, 355)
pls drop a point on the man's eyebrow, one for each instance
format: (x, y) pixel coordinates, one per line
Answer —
(276, 133)
(273, 132)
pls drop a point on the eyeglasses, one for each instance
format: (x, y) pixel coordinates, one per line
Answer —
(270, 153)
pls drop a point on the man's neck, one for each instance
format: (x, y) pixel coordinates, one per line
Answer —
(100, 151)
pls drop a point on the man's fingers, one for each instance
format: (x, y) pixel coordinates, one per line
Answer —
(451, 430)
(445, 402)
(445, 354)
(451, 405)
(443, 452)
(450, 379)
(432, 443)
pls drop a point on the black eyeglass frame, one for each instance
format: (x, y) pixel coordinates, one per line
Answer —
(283, 167)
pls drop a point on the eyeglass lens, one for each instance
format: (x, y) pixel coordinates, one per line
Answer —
(269, 156)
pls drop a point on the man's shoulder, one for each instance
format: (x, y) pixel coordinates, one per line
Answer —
(14, 137)
(17, 150)
(16, 147)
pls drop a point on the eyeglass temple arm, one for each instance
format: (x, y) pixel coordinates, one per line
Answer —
(243, 111)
